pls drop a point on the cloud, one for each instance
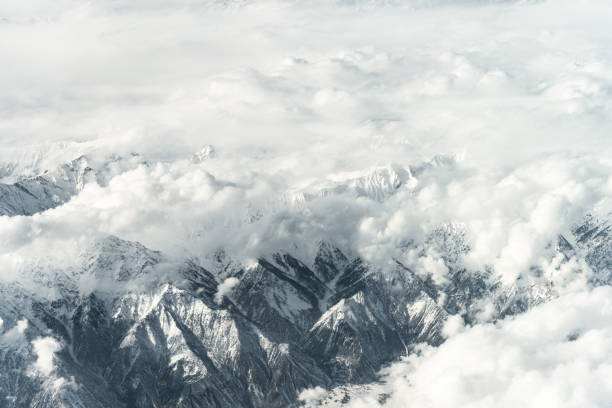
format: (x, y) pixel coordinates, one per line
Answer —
(312, 395)
(45, 349)
(225, 288)
(15, 335)
(506, 220)
(501, 115)
(291, 75)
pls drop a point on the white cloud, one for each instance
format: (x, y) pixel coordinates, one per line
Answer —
(225, 288)
(312, 395)
(45, 349)
(15, 335)
(453, 325)
(290, 74)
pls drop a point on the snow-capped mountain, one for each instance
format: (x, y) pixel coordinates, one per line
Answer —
(28, 195)
(129, 327)
(35, 194)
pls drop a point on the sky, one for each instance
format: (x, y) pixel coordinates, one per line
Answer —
(504, 106)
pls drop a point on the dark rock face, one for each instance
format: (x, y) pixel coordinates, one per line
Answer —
(287, 325)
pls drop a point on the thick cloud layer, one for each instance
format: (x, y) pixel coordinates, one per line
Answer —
(298, 98)
(371, 124)
(306, 82)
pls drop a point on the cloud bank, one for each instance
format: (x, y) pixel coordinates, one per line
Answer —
(381, 126)
(307, 107)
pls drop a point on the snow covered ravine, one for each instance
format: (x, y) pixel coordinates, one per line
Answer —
(275, 203)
